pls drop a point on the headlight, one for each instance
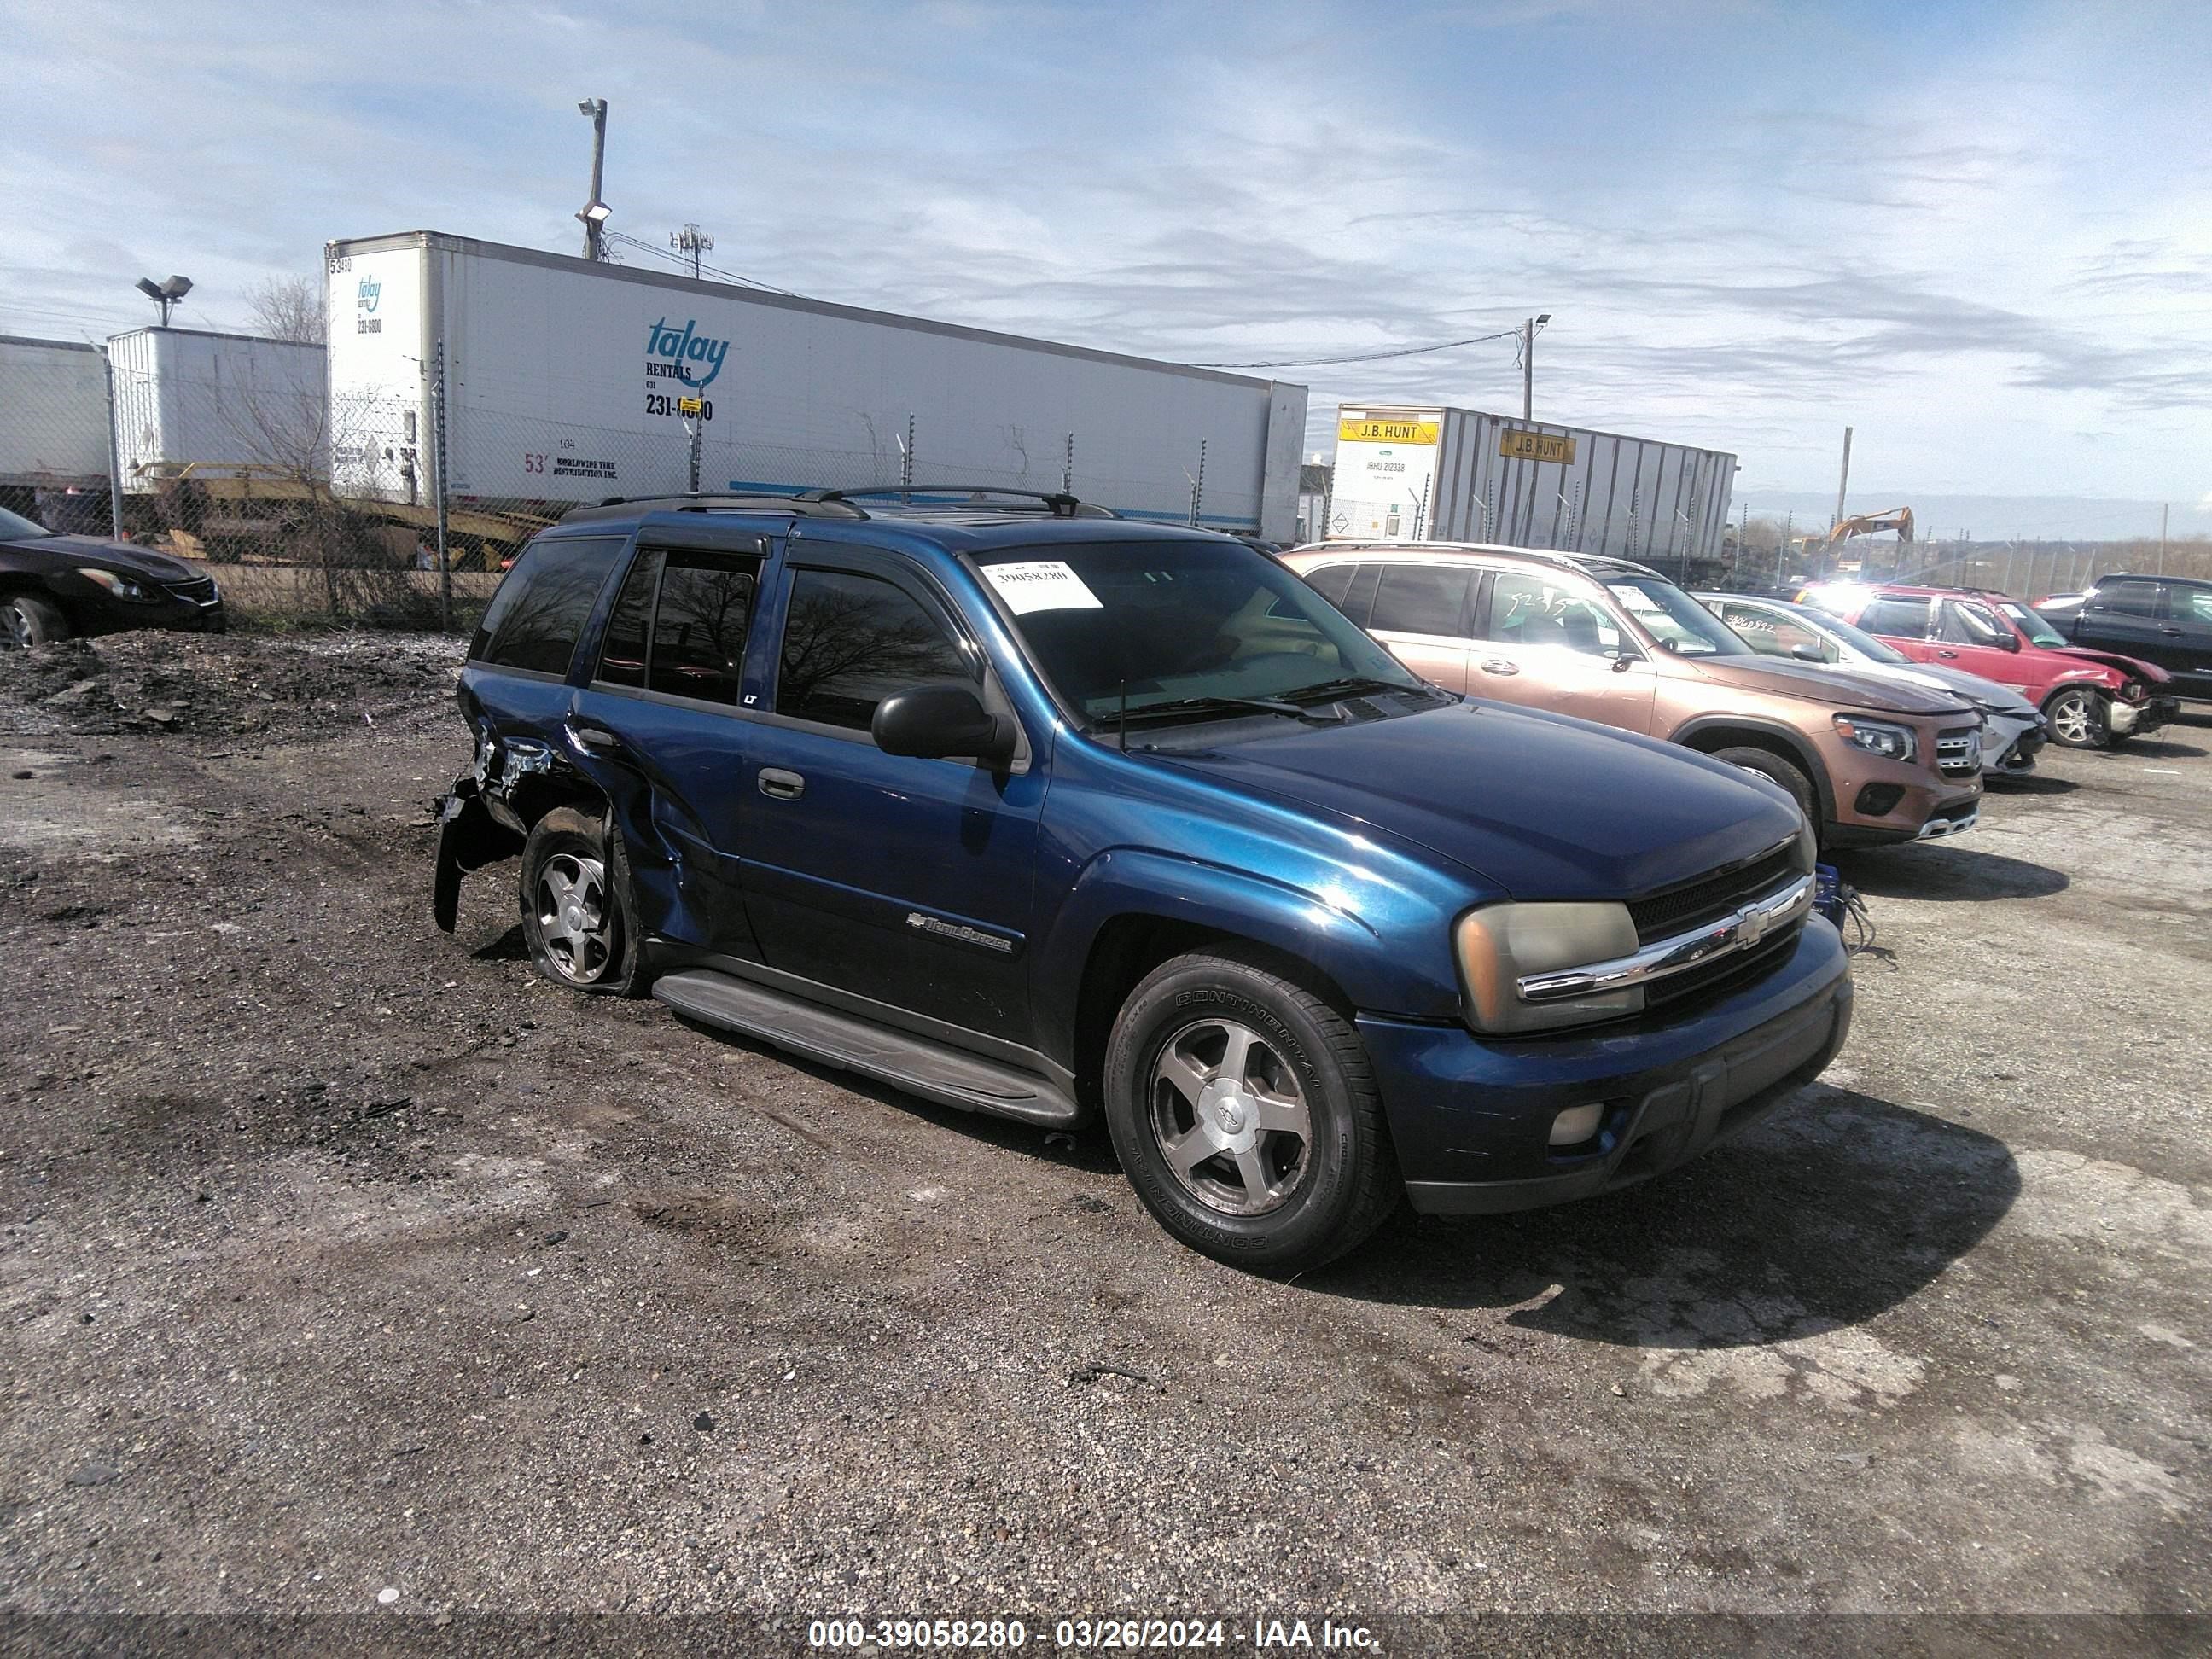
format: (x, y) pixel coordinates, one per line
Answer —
(1500, 944)
(119, 585)
(1895, 742)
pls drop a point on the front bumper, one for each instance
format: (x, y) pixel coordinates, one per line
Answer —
(2010, 743)
(1471, 1121)
(2135, 719)
(93, 612)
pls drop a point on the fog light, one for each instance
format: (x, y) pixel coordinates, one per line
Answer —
(1575, 1125)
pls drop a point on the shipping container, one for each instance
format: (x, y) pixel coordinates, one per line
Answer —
(1435, 474)
(217, 405)
(568, 381)
(53, 414)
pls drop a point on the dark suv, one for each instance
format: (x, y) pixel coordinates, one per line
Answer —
(2165, 620)
(1038, 811)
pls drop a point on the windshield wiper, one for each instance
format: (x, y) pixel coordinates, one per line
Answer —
(1355, 685)
(1202, 707)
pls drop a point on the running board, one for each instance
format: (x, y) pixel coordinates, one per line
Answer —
(948, 1076)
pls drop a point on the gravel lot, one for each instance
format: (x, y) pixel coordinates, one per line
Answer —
(340, 1258)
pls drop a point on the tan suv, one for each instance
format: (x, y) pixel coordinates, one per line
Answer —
(1868, 761)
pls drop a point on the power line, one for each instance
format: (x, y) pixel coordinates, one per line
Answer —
(684, 260)
(1368, 357)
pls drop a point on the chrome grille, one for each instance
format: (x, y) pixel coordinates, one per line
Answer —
(199, 591)
(1959, 751)
(1691, 903)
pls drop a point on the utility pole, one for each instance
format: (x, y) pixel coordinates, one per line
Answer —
(1844, 482)
(1529, 364)
(691, 242)
(438, 440)
(595, 212)
(114, 465)
(2163, 506)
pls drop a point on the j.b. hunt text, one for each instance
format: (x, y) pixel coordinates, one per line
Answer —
(684, 346)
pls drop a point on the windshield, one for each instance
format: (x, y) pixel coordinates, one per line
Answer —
(1674, 619)
(2029, 623)
(1865, 644)
(1168, 621)
(14, 527)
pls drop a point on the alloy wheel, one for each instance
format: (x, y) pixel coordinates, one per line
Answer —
(2073, 718)
(1230, 1118)
(574, 918)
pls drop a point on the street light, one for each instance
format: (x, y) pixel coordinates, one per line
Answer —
(595, 212)
(165, 294)
(1529, 363)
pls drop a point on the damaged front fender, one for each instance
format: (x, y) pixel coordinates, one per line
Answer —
(469, 838)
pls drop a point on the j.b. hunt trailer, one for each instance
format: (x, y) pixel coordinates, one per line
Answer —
(568, 380)
(1435, 474)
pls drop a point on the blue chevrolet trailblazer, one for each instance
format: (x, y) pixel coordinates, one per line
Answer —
(1028, 809)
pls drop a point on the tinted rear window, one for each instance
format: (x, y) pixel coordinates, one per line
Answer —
(1422, 599)
(1906, 619)
(699, 627)
(2128, 598)
(538, 613)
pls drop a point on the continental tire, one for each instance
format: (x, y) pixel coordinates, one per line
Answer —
(1246, 1114)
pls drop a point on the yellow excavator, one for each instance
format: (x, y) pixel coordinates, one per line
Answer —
(1898, 518)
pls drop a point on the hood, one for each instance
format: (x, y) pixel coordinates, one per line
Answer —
(1831, 686)
(125, 556)
(2133, 667)
(1972, 687)
(1543, 805)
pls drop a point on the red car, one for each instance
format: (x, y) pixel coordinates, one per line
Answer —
(2094, 699)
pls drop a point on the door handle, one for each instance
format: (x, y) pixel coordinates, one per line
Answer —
(1946, 655)
(1499, 666)
(588, 736)
(779, 785)
(2170, 633)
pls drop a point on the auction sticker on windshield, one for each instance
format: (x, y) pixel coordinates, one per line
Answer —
(1041, 584)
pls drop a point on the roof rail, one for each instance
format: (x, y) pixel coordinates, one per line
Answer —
(811, 504)
(1058, 502)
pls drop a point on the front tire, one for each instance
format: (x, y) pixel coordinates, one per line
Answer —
(2078, 718)
(575, 910)
(27, 619)
(1774, 769)
(1246, 1116)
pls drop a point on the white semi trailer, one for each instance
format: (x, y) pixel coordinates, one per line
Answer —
(190, 401)
(568, 380)
(53, 414)
(1436, 474)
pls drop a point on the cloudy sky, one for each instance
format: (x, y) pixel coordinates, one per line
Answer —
(1980, 233)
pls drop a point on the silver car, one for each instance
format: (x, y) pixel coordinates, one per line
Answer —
(2013, 728)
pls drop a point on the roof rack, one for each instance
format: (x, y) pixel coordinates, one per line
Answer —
(1058, 502)
(811, 503)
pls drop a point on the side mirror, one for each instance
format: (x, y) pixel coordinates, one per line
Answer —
(940, 721)
(2007, 640)
(1807, 652)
